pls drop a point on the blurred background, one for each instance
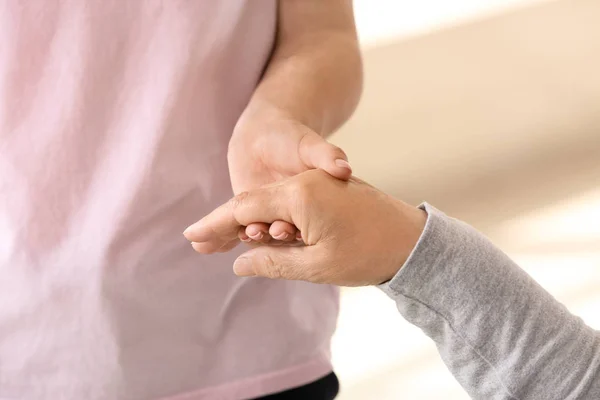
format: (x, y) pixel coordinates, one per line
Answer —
(489, 110)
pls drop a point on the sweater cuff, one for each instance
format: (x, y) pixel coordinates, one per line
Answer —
(432, 247)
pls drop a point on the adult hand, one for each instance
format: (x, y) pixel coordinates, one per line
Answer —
(269, 145)
(354, 234)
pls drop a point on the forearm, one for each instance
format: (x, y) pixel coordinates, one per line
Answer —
(315, 72)
(500, 333)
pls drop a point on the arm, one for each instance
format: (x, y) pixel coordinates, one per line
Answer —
(310, 87)
(501, 335)
(315, 73)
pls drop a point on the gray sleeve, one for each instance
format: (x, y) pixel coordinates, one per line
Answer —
(501, 334)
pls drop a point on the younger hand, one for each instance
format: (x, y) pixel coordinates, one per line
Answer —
(269, 145)
(354, 234)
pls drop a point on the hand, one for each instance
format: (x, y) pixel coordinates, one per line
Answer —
(267, 146)
(354, 234)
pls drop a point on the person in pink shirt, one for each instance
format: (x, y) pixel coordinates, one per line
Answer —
(120, 123)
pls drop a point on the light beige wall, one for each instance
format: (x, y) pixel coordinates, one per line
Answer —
(490, 121)
(486, 119)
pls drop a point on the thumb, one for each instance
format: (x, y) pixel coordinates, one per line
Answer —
(316, 152)
(285, 262)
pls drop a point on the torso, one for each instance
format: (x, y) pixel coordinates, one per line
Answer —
(114, 123)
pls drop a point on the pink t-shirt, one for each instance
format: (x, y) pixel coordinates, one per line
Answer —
(114, 122)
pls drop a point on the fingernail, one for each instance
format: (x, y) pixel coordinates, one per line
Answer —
(257, 236)
(188, 230)
(246, 239)
(243, 267)
(282, 236)
(299, 236)
(343, 164)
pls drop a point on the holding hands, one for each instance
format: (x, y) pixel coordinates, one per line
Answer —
(352, 234)
(269, 145)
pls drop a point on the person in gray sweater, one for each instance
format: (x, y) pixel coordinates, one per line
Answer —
(500, 333)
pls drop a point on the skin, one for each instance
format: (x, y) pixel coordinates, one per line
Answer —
(352, 233)
(311, 86)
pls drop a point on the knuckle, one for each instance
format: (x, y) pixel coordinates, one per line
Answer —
(337, 151)
(304, 187)
(239, 199)
(297, 189)
(271, 268)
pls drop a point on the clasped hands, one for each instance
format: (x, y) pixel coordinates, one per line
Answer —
(303, 214)
(352, 234)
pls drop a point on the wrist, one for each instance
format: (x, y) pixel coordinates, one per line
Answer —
(409, 228)
(260, 112)
(268, 111)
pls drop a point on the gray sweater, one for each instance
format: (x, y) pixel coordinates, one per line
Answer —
(501, 334)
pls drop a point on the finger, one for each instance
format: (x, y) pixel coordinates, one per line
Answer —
(285, 262)
(316, 152)
(258, 232)
(242, 235)
(229, 246)
(267, 204)
(214, 246)
(273, 242)
(283, 231)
